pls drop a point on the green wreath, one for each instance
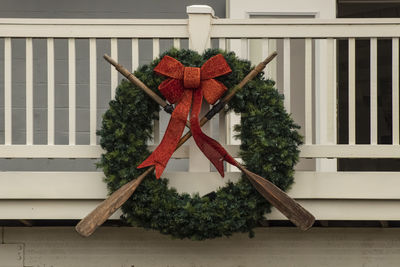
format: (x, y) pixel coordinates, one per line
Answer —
(269, 148)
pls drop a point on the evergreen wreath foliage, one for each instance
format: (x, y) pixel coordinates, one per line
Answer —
(269, 148)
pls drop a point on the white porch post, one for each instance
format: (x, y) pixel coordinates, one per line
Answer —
(325, 100)
(199, 27)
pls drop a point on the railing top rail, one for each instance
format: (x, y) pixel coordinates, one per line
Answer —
(221, 28)
(305, 28)
(93, 28)
(308, 21)
(39, 21)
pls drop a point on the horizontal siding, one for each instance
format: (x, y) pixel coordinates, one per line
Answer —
(284, 247)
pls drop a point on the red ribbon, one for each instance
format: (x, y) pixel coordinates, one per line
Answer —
(186, 86)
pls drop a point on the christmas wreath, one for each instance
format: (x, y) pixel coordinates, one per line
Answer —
(269, 147)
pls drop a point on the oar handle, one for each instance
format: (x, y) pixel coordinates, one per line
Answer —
(133, 79)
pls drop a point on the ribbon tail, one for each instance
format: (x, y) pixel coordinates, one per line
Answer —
(176, 125)
(211, 148)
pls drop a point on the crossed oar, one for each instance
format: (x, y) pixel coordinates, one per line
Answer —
(285, 204)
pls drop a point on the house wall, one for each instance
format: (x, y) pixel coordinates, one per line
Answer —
(325, 8)
(132, 247)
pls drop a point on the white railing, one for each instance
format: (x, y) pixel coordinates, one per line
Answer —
(330, 195)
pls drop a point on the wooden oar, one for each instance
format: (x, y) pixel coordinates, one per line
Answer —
(291, 209)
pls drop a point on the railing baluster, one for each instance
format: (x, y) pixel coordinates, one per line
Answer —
(156, 47)
(395, 89)
(156, 53)
(222, 43)
(331, 93)
(71, 91)
(93, 89)
(135, 54)
(114, 72)
(7, 91)
(265, 48)
(29, 91)
(352, 91)
(374, 91)
(244, 48)
(222, 127)
(50, 91)
(308, 91)
(286, 73)
(177, 43)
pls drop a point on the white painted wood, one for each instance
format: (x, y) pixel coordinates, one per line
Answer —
(273, 65)
(12, 255)
(114, 72)
(222, 28)
(48, 209)
(50, 151)
(93, 90)
(7, 91)
(29, 91)
(395, 90)
(59, 185)
(330, 94)
(308, 92)
(222, 43)
(156, 132)
(265, 50)
(308, 185)
(50, 91)
(345, 185)
(200, 9)
(222, 127)
(177, 43)
(329, 209)
(92, 151)
(244, 48)
(199, 27)
(67, 151)
(347, 210)
(156, 47)
(156, 126)
(352, 91)
(71, 91)
(303, 28)
(324, 95)
(349, 151)
(135, 54)
(374, 91)
(94, 28)
(286, 73)
(271, 246)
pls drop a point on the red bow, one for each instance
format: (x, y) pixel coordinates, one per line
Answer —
(183, 85)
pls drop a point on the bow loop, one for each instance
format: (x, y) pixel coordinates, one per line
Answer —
(170, 67)
(172, 90)
(215, 67)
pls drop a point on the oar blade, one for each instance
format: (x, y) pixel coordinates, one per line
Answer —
(280, 200)
(105, 209)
